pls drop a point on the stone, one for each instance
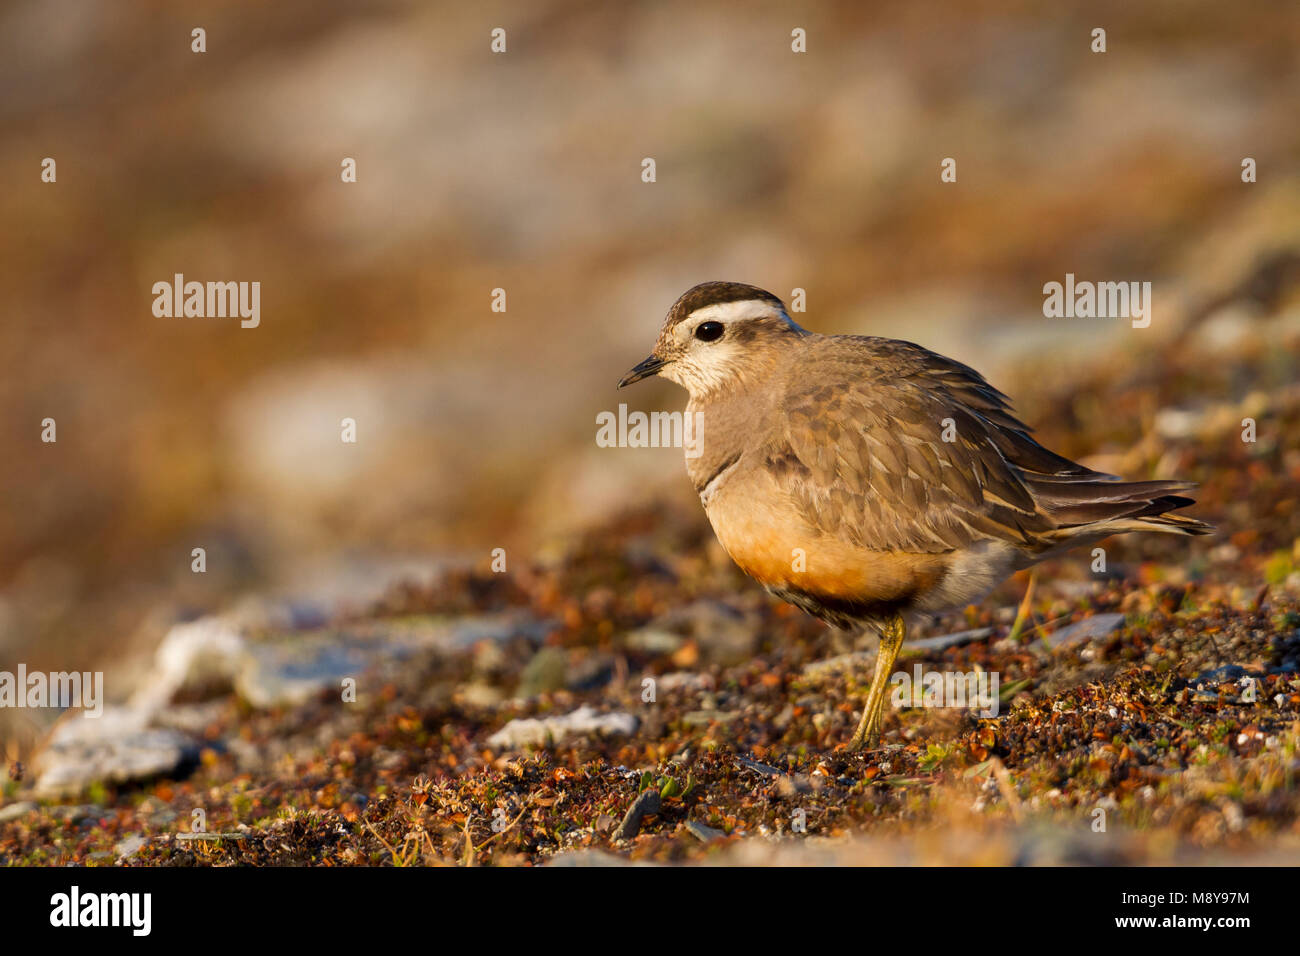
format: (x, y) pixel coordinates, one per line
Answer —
(15, 810)
(130, 846)
(206, 653)
(646, 805)
(928, 644)
(704, 833)
(655, 641)
(290, 671)
(1082, 632)
(115, 748)
(539, 731)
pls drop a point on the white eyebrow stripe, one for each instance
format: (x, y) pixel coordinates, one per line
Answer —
(736, 311)
(728, 312)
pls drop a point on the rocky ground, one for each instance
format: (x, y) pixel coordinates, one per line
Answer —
(632, 697)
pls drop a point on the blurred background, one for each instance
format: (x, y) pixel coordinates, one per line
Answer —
(522, 171)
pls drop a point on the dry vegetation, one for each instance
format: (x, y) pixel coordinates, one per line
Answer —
(817, 171)
(1149, 722)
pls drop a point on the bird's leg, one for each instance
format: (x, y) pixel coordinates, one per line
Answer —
(891, 641)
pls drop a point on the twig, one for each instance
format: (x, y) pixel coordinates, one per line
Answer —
(397, 861)
(469, 844)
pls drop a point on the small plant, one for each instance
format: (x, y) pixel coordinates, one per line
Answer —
(933, 758)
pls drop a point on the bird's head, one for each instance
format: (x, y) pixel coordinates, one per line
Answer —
(716, 335)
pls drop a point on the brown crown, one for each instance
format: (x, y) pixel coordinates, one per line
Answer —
(715, 293)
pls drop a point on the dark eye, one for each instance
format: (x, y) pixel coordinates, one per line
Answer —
(709, 331)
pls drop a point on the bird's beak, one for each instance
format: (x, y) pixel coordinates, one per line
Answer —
(643, 369)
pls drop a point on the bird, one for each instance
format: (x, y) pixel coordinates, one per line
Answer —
(870, 481)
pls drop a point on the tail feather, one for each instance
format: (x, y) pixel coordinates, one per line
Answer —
(1107, 505)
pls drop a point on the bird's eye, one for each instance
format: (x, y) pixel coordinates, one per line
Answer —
(709, 331)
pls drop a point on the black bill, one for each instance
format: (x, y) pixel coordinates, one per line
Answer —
(643, 369)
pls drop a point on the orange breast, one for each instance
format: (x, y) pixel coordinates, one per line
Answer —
(770, 541)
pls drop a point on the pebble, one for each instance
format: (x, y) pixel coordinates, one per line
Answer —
(539, 731)
(16, 810)
(114, 748)
(291, 671)
(655, 641)
(130, 846)
(1081, 632)
(646, 805)
(703, 833)
(927, 644)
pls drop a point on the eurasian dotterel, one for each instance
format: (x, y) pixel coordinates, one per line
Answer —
(867, 480)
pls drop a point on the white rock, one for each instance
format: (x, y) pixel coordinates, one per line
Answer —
(538, 731)
(130, 846)
(16, 810)
(1089, 629)
(114, 748)
(202, 650)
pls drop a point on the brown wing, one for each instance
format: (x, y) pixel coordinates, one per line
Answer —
(864, 456)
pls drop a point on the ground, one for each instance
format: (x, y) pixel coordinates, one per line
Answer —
(1165, 729)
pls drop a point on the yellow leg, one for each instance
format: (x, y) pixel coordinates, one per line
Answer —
(891, 641)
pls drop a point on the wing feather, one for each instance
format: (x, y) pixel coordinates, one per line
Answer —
(877, 471)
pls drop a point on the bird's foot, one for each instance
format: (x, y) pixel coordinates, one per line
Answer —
(866, 737)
